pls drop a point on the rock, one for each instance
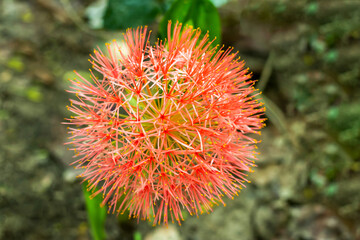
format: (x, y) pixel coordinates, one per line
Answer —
(164, 233)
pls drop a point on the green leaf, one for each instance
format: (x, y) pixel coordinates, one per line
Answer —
(122, 14)
(312, 8)
(331, 56)
(197, 13)
(96, 214)
(16, 64)
(137, 235)
(34, 94)
(331, 190)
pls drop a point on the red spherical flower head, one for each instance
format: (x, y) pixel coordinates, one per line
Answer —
(165, 128)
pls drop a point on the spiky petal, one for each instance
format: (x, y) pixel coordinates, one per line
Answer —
(166, 127)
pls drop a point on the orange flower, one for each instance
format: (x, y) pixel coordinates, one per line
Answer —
(165, 128)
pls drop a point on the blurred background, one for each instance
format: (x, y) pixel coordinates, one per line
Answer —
(306, 55)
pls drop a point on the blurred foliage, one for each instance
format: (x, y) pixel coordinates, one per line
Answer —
(196, 13)
(16, 64)
(34, 94)
(344, 121)
(122, 14)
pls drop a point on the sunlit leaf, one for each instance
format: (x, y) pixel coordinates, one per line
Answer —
(197, 13)
(34, 94)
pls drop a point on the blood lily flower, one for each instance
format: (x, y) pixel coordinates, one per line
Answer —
(165, 129)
